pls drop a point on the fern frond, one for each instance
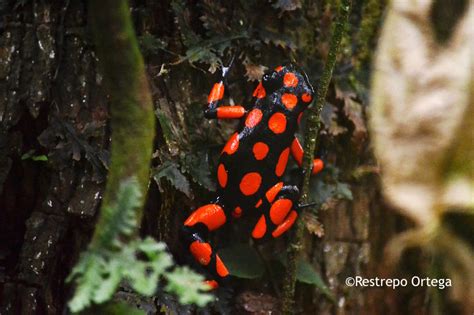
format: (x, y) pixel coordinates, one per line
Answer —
(109, 260)
(119, 218)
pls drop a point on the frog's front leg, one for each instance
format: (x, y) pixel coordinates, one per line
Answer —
(297, 153)
(215, 109)
(203, 220)
(279, 211)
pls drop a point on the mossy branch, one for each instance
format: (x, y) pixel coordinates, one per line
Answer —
(131, 108)
(311, 134)
(133, 127)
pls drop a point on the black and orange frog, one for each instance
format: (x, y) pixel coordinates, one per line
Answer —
(252, 163)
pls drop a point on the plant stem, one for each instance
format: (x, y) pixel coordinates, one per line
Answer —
(311, 134)
(131, 107)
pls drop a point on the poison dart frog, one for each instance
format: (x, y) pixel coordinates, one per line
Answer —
(252, 163)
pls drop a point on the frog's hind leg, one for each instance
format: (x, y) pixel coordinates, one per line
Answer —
(297, 152)
(279, 211)
(203, 220)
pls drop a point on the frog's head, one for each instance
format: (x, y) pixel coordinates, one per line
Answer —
(288, 85)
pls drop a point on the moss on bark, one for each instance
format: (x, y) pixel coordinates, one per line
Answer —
(131, 107)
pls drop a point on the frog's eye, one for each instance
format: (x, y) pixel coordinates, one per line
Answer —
(266, 77)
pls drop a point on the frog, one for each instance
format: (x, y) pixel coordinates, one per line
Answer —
(252, 163)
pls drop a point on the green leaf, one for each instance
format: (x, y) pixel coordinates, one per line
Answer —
(166, 128)
(109, 284)
(327, 186)
(242, 261)
(199, 53)
(149, 44)
(43, 158)
(171, 172)
(188, 286)
(152, 249)
(143, 274)
(29, 155)
(305, 273)
(87, 271)
(119, 218)
(197, 166)
(109, 260)
(139, 279)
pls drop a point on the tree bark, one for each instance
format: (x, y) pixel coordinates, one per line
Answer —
(52, 104)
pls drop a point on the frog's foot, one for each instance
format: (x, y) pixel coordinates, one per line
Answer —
(286, 224)
(215, 108)
(212, 283)
(206, 218)
(278, 211)
(297, 152)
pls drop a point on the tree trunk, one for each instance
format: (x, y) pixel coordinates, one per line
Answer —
(52, 105)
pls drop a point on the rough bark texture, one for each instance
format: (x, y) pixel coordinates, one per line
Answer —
(52, 102)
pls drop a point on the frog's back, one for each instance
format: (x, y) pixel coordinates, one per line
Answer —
(255, 157)
(252, 163)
